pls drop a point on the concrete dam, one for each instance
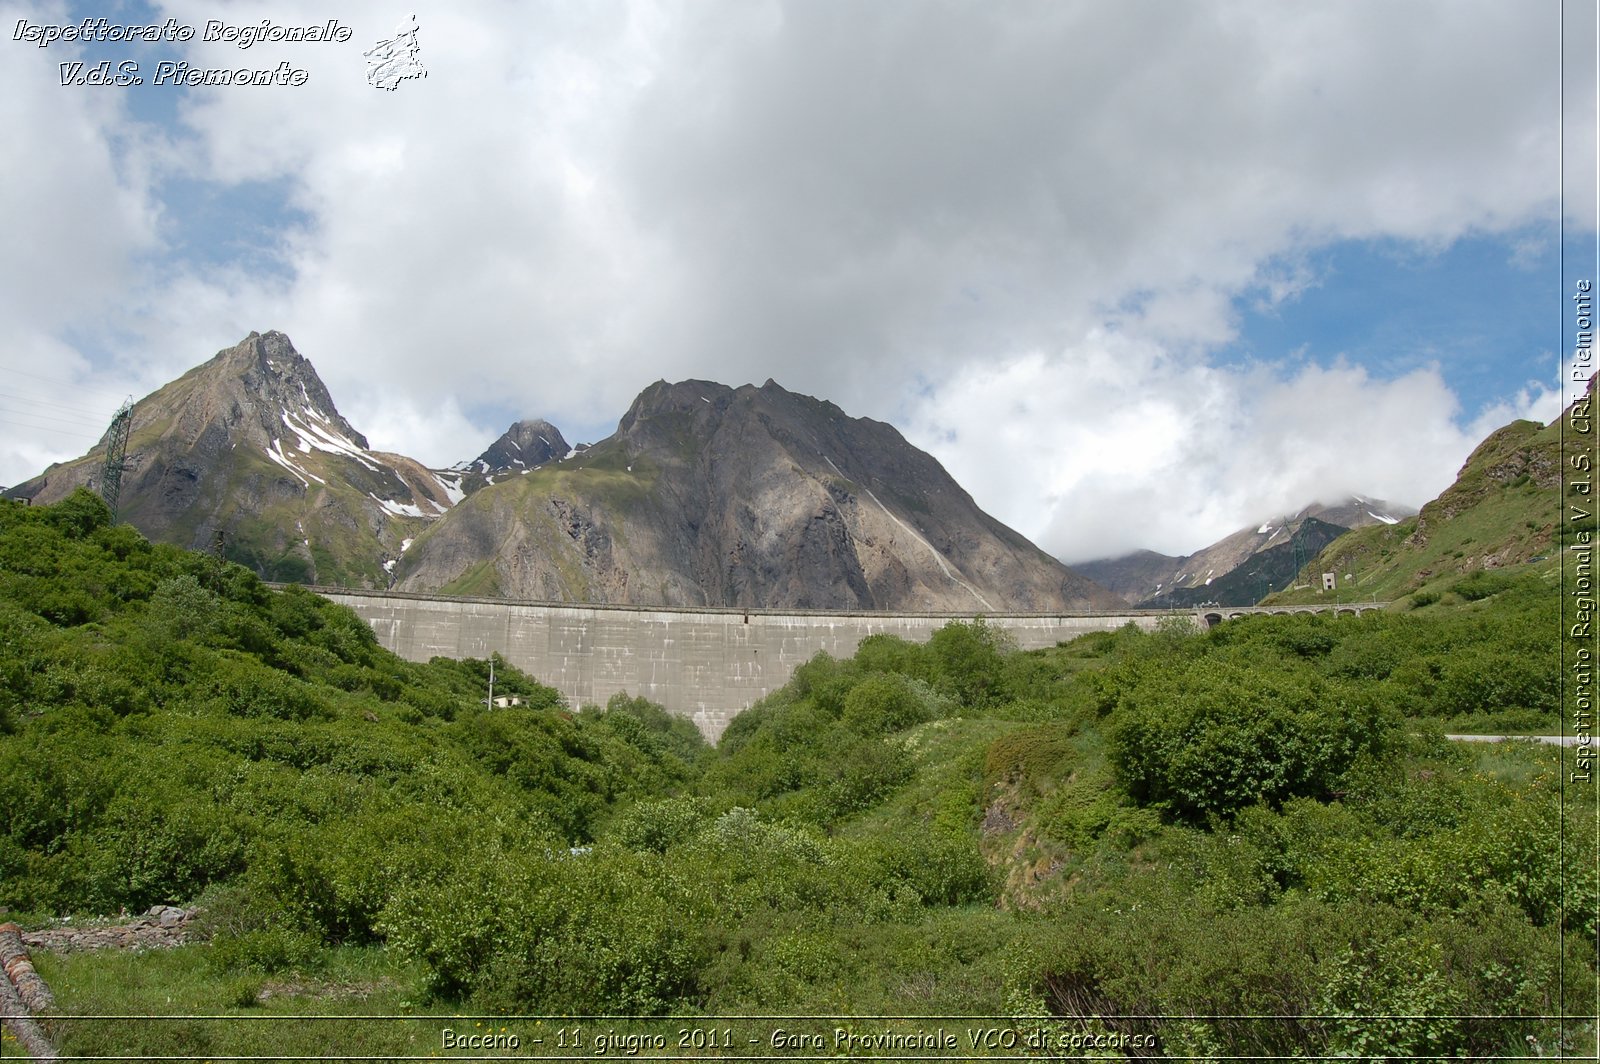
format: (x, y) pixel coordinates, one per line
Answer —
(705, 664)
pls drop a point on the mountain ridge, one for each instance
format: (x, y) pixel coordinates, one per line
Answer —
(705, 494)
(712, 495)
(1503, 513)
(1243, 566)
(743, 496)
(247, 454)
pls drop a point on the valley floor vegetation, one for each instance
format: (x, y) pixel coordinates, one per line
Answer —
(1252, 841)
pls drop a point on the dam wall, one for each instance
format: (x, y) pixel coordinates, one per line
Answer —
(704, 664)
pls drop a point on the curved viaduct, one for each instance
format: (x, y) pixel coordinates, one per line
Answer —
(704, 664)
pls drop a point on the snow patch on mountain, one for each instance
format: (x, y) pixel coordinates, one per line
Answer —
(399, 509)
(315, 436)
(275, 452)
(450, 484)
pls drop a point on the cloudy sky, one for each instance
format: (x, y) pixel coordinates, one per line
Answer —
(1138, 273)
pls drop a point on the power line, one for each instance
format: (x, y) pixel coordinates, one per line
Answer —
(47, 428)
(39, 377)
(95, 412)
(85, 422)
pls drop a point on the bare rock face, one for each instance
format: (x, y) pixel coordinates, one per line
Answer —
(758, 497)
(525, 445)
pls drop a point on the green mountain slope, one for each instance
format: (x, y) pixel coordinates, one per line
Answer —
(1503, 514)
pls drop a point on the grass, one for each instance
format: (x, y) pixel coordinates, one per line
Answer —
(609, 479)
(606, 484)
(360, 1001)
(1518, 765)
(479, 580)
(949, 758)
(176, 1003)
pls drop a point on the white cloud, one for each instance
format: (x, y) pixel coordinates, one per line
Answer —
(75, 218)
(1540, 401)
(1036, 215)
(1112, 445)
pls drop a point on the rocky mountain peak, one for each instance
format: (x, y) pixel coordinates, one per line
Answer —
(266, 377)
(247, 454)
(527, 444)
(709, 495)
(261, 391)
(692, 398)
(673, 421)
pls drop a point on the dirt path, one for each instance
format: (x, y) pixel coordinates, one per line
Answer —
(1553, 740)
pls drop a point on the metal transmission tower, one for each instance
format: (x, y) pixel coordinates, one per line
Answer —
(1300, 559)
(116, 456)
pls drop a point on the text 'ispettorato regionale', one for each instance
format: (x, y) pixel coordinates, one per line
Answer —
(171, 72)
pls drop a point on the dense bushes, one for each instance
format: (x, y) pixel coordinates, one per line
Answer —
(1217, 735)
(1257, 827)
(181, 726)
(1299, 978)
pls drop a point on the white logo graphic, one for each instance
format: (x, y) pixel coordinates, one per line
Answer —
(392, 61)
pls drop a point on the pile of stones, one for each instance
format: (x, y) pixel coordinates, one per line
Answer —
(163, 927)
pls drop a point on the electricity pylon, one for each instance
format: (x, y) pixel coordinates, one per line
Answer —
(116, 456)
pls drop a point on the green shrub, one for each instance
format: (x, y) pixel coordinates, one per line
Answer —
(883, 703)
(79, 514)
(1485, 583)
(268, 951)
(154, 843)
(1390, 999)
(590, 934)
(1483, 679)
(658, 825)
(860, 773)
(1029, 753)
(181, 608)
(885, 653)
(241, 687)
(939, 867)
(657, 730)
(967, 661)
(1220, 736)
